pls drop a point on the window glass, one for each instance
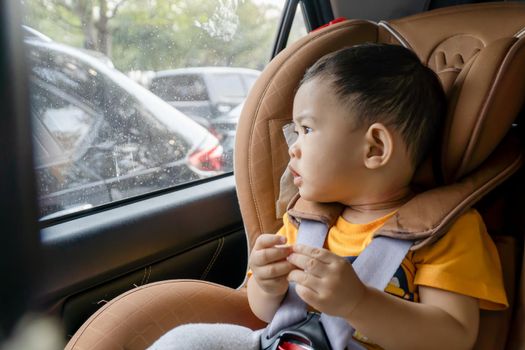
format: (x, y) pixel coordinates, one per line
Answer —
(60, 129)
(130, 97)
(249, 80)
(298, 29)
(67, 123)
(179, 88)
(227, 86)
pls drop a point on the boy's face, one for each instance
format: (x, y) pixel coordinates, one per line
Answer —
(327, 159)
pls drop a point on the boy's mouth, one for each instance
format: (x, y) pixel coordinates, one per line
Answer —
(294, 173)
(296, 176)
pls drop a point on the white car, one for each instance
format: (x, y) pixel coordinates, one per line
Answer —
(81, 109)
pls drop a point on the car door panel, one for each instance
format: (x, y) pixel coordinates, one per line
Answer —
(195, 232)
(215, 261)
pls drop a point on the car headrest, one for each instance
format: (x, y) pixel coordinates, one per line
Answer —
(473, 50)
(476, 50)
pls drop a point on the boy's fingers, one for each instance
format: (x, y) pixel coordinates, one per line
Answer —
(266, 256)
(306, 263)
(320, 254)
(273, 284)
(273, 271)
(267, 240)
(304, 279)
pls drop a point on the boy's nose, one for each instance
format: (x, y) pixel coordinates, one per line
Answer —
(294, 151)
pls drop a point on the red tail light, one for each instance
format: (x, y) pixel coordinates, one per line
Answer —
(207, 159)
(215, 133)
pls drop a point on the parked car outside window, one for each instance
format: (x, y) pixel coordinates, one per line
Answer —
(100, 137)
(207, 94)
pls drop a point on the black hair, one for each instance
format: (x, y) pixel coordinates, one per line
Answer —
(387, 84)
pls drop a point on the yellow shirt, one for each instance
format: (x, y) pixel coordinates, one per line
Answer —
(464, 261)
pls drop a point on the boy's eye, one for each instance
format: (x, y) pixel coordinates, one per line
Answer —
(302, 130)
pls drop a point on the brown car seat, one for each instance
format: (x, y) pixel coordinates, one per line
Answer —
(478, 53)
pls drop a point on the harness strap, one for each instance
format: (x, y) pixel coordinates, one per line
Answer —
(375, 267)
(293, 309)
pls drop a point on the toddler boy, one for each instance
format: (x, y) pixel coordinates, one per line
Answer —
(365, 119)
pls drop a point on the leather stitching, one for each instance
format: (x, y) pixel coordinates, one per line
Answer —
(214, 258)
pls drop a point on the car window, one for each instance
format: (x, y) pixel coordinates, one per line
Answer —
(60, 129)
(88, 155)
(227, 86)
(68, 124)
(139, 97)
(180, 88)
(249, 80)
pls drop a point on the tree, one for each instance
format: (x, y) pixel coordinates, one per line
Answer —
(90, 17)
(161, 34)
(194, 33)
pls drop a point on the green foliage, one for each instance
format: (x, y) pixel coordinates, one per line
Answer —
(163, 34)
(54, 20)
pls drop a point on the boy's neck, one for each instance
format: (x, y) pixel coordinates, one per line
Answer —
(368, 211)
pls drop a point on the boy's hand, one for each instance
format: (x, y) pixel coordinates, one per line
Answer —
(325, 280)
(269, 265)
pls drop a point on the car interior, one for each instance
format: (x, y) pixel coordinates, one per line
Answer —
(120, 275)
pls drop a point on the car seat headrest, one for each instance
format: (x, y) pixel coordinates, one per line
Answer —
(477, 52)
(473, 50)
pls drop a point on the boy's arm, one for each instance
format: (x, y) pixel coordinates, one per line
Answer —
(263, 304)
(443, 320)
(268, 283)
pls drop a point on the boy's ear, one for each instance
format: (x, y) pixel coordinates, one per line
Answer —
(379, 146)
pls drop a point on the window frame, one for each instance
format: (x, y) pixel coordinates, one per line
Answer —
(18, 211)
(315, 12)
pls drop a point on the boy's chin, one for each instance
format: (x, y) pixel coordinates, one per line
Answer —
(314, 197)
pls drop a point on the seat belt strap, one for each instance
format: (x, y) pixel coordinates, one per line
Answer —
(293, 309)
(375, 267)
